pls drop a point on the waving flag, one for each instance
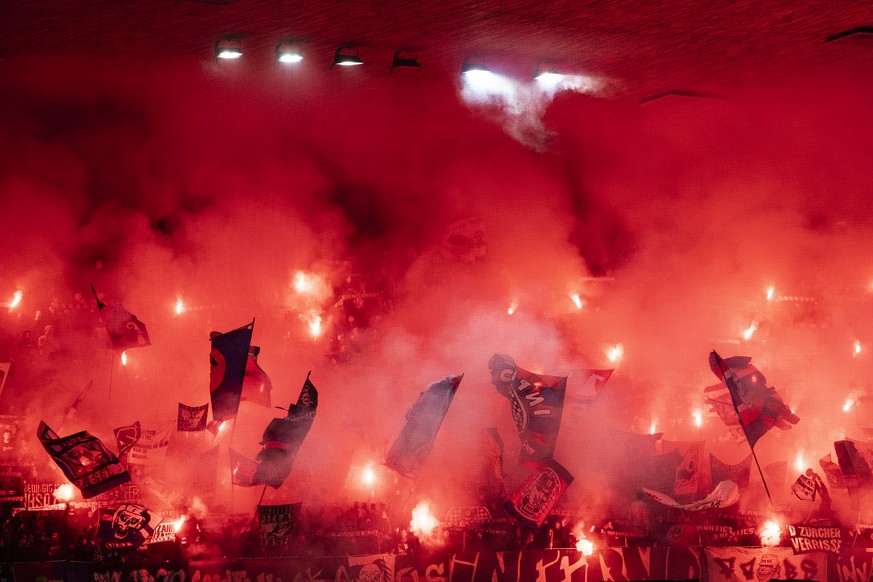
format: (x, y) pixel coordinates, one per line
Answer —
(124, 329)
(726, 493)
(594, 383)
(127, 436)
(230, 352)
(758, 407)
(283, 437)
(242, 469)
(127, 525)
(256, 384)
(855, 464)
(538, 494)
(192, 418)
(738, 473)
(85, 461)
(688, 471)
(537, 402)
(409, 452)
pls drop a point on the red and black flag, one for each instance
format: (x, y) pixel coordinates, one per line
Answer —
(85, 461)
(855, 464)
(283, 437)
(537, 402)
(277, 524)
(410, 450)
(124, 329)
(230, 352)
(126, 437)
(256, 384)
(192, 418)
(126, 526)
(758, 407)
(538, 494)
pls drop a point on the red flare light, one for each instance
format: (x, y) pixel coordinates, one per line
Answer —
(771, 533)
(64, 493)
(423, 522)
(180, 307)
(16, 299)
(577, 301)
(123, 358)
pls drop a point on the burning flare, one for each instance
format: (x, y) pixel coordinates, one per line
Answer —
(512, 307)
(180, 307)
(771, 533)
(698, 418)
(750, 331)
(577, 301)
(303, 283)
(652, 427)
(423, 522)
(585, 546)
(177, 525)
(123, 358)
(799, 463)
(368, 476)
(615, 353)
(64, 493)
(770, 291)
(856, 348)
(16, 299)
(848, 405)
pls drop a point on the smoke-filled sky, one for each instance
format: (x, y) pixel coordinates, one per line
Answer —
(213, 182)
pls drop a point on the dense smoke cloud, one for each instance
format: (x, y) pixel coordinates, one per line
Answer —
(175, 182)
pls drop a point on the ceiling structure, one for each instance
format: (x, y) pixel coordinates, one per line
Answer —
(642, 48)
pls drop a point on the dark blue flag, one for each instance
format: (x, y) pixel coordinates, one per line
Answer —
(230, 352)
(283, 437)
(409, 452)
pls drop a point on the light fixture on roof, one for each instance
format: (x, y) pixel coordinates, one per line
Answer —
(405, 59)
(228, 48)
(288, 52)
(347, 56)
(471, 69)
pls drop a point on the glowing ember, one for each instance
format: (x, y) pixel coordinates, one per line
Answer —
(123, 358)
(770, 534)
(585, 546)
(369, 475)
(177, 525)
(64, 492)
(423, 522)
(750, 331)
(180, 307)
(16, 299)
(848, 405)
(302, 282)
(615, 352)
(857, 348)
(698, 418)
(770, 291)
(577, 301)
(799, 463)
(512, 308)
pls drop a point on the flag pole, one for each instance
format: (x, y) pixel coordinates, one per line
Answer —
(737, 410)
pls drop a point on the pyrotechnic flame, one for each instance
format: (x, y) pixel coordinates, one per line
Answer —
(615, 352)
(180, 307)
(848, 405)
(315, 325)
(512, 307)
(585, 546)
(857, 348)
(423, 522)
(799, 463)
(64, 492)
(770, 291)
(123, 358)
(750, 331)
(369, 475)
(698, 418)
(652, 427)
(302, 282)
(771, 533)
(177, 525)
(16, 299)
(577, 301)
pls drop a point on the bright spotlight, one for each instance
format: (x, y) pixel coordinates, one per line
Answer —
(228, 48)
(288, 52)
(346, 56)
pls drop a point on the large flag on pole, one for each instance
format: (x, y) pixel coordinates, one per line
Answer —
(537, 402)
(283, 437)
(230, 352)
(85, 461)
(410, 450)
(126, 526)
(758, 407)
(538, 494)
(124, 329)
(256, 384)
